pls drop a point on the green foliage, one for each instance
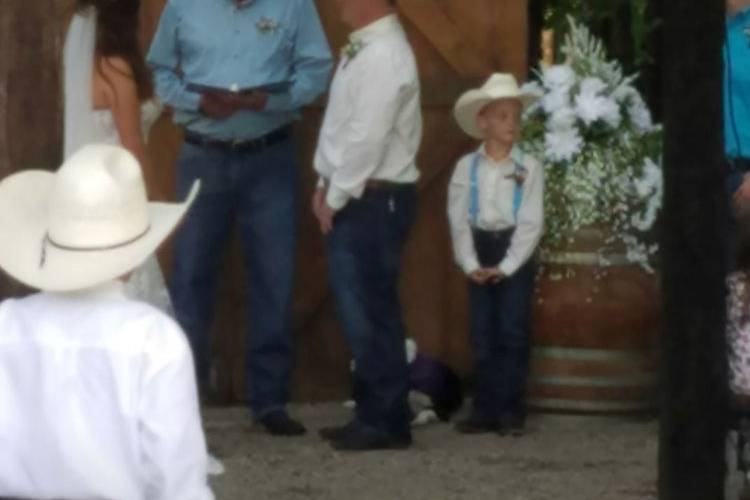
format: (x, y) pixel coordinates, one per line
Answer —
(626, 26)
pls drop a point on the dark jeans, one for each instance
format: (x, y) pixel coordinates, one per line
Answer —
(258, 191)
(364, 255)
(499, 329)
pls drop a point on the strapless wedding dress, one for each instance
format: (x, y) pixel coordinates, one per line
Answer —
(146, 283)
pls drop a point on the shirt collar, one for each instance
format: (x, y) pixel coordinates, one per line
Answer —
(505, 162)
(385, 24)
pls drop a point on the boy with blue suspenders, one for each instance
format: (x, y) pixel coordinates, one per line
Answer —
(496, 218)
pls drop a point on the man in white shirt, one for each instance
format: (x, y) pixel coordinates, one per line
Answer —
(365, 204)
(97, 392)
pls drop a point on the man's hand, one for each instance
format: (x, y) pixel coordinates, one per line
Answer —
(223, 104)
(253, 101)
(216, 105)
(318, 199)
(326, 215)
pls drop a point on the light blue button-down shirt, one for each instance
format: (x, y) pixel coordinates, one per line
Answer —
(737, 86)
(217, 43)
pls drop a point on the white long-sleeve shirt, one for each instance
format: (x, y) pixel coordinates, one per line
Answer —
(97, 400)
(373, 123)
(496, 187)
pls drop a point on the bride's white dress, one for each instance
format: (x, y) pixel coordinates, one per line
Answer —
(146, 283)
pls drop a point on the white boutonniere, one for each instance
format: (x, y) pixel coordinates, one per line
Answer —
(350, 50)
(519, 175)
(266, 25)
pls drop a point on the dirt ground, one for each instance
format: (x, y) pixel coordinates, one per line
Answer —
(560, 457)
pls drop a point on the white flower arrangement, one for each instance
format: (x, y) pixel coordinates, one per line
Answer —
(602, 153)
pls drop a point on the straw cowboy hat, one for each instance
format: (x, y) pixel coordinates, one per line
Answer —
(88, 223)
(497, 86)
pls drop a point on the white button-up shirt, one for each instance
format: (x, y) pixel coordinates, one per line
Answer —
(97, 400)
(373, 123)
(496, 187)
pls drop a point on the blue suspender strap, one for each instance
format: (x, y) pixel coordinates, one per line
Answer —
(518, 191)
(474, 191)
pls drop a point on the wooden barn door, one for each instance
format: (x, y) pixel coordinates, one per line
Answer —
(457, 44)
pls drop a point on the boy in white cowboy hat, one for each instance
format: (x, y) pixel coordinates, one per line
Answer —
(495, 213)
(97, 391)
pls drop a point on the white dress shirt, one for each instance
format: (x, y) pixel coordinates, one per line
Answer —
(496, 187)
(373, 123)
(97, 400)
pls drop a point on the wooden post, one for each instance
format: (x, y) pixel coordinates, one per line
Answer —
(694, 373)
(31, 35)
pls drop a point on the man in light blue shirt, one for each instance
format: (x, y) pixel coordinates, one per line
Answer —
(236, 73)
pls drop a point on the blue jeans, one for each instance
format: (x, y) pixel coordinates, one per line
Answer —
(364, 256)
(500, 317)
(258, 191)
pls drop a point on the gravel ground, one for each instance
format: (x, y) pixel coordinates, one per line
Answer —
(575, 457)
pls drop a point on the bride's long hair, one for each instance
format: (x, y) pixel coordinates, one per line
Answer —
(117, 35)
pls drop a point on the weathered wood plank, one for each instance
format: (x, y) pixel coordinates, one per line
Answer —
(465, 57)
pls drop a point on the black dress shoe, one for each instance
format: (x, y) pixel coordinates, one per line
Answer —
(336, 432)
(278, 423)
(511, 426)
(358, 439)
(476, 425)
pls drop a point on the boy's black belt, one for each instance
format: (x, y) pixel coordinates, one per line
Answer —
(243, 146)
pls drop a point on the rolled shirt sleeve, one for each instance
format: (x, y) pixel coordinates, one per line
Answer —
(164, 59)
(312, 62)
(379, 94)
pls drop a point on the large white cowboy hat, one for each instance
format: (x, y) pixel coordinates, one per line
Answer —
(88, 223)
(497, 86)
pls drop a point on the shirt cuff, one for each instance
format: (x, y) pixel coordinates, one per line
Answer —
(469, 265)
(321, 183)
(192, 100)
(508, 266)
(278, 102)
(336, 198)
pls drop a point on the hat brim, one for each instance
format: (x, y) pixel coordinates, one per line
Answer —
(470, 103)
(24, 209)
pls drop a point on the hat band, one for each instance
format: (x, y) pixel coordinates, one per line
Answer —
(47, 240)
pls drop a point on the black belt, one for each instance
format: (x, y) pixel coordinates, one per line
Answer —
(244, 146)
(380, 185)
